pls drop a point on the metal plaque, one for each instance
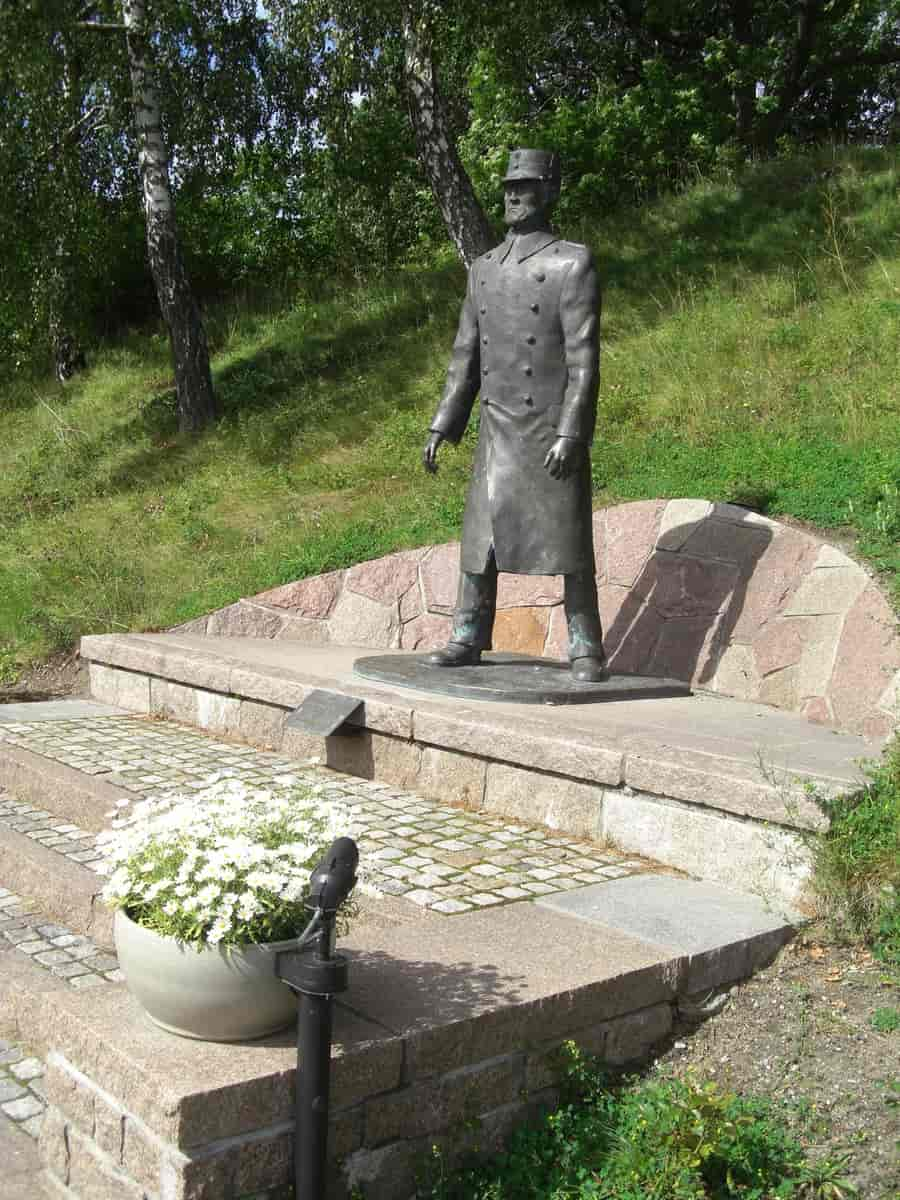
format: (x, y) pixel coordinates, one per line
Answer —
(323, 713)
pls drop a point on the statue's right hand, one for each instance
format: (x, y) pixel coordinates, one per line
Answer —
(429, 454)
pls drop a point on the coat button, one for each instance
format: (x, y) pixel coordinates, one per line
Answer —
(540, 276)
(485, 401)
(531, 339)
(484, 370)
(529, 400)
(528, 371)
(489, 256)
(485, 339)
(535, 308)
(483, 308)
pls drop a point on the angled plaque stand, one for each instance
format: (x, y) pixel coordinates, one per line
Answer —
(326, 713)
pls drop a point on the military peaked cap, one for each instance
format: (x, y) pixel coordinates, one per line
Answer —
(533, 164)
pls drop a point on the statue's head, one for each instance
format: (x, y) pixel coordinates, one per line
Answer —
(531, 187)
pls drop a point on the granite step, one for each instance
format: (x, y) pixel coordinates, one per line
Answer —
(52, 862)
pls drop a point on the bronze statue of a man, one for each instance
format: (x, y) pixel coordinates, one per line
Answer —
(528, 342)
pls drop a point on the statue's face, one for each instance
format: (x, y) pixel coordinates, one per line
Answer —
(524, 201)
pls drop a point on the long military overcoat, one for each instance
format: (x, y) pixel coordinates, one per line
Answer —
(528, 342)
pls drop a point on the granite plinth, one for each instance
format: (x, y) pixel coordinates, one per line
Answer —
(513, 678)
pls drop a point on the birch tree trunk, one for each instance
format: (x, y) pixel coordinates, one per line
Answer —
(190, 352)
(469, 228)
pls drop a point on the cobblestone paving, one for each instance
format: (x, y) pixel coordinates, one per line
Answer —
(67, 955)
(22, 1098)
(442, 858)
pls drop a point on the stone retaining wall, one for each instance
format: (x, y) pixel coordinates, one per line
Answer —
(459, 1088)
(711, 594)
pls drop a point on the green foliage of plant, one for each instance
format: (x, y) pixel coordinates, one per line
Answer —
(857, 860)
(224, 866)
(886, 1019)
(650, 1139)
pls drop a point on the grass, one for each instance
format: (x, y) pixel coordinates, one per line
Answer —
(857, 860)
(646, 1139)
(750, 354)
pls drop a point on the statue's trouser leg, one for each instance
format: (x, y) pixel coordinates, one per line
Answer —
(476, 606)
(583, 616)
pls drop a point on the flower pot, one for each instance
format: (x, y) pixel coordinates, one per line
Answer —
(210, 993)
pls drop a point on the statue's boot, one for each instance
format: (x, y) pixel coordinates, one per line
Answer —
(589, 669)
(454, 654)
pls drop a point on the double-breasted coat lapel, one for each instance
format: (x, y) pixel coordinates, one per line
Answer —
(528, 343)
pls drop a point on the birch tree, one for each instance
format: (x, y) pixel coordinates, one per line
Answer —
(190, 352)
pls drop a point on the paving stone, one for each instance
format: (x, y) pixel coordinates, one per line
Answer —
(23, 1108)
(27, 1069)
(10, 1090)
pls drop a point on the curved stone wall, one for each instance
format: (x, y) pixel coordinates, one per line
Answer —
(710, 593)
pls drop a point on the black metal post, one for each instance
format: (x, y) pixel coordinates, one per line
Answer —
(314, 1022)
(317, 974)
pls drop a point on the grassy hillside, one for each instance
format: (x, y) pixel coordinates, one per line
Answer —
(751, 353)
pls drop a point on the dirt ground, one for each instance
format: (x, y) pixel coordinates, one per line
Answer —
(60, 676)
(800, 1033)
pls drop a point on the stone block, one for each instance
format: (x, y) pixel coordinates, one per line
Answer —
(196, 627)
(53, 1142)
(867, 659)
(521, 630)
(173, 700)
(473, 733)
(126, 689)
(748, 794)
(217, 713)
(388, 1173)
(141, 1154)
(827, 590)
(68, 1095)
(557, 642)
(439, 572)
(245, 619)
(779, 645)
(359, 621)
(778, 572)
(268, 687)
(202, 1177)
(738, 515)
(308, 632)
(630, 536)
(314, 598)
(451, 777)
(686, 648)
(412, 603)
(716, 931)
(109, 1130)
(385, 579)
(371, 755)
(94, 1176)
(551, 800)
(889, 700)
(679, 520)
(345, 1131)
(728, 542)
(616, 1042)
(737, 673)
(680, 586)
(426, 632)
(529, 591)
(460, 1095)
(263, 1163)
(780, 689)
(261, 724)
(771, 863)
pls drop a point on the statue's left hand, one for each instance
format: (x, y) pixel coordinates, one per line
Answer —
(563, 457)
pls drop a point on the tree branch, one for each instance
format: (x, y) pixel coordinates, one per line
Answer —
(102, 26)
